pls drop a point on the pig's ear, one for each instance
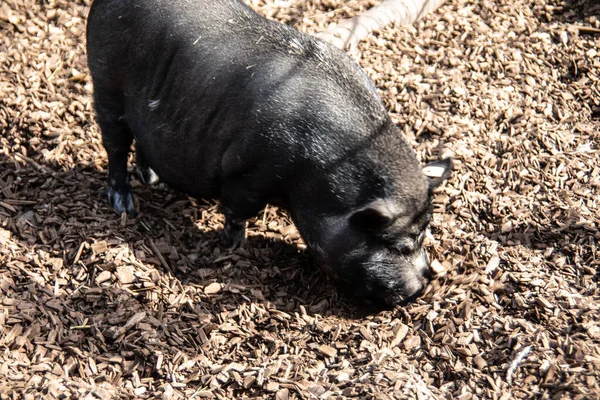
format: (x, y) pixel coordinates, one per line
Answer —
(438, 172)
(374, 216)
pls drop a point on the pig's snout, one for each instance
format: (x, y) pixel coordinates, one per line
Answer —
(412, 277)
(404, 293)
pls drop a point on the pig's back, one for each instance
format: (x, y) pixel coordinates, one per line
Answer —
(198, 76)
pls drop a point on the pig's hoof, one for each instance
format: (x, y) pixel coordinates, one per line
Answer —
(232, 235)
(147, 175)
(121, 200)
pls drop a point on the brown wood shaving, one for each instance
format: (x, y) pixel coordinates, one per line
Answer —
(93, 305)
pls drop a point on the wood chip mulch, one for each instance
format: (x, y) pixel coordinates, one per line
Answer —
(93, 305)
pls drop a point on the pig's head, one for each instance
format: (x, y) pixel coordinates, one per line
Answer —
(375, 251)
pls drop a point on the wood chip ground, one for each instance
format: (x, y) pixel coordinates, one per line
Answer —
(93, 305)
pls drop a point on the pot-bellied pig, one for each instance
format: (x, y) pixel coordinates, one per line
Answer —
(223, 103)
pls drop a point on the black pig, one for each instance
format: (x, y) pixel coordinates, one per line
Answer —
(223, 103)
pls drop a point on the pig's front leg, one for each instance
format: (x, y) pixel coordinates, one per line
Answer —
(234, 231)
(117, 139)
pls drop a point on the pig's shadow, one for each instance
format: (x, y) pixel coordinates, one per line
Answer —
(64, 210)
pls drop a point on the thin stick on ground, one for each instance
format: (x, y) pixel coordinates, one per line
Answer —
(521, 355)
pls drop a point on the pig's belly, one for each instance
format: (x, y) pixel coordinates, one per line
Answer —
(180, 156)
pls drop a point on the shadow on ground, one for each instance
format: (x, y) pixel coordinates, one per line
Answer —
(65, 214)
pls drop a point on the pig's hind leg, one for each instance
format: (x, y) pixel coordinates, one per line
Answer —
(142, 169)
(117, 139)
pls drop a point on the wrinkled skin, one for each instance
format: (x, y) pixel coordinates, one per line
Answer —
(223, 103)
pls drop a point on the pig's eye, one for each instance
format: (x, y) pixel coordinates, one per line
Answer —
(404, 248)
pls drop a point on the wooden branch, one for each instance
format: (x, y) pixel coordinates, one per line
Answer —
(349, 32)
(585, 29)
